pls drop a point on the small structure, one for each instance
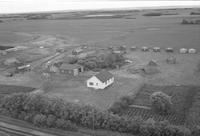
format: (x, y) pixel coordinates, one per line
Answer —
(169, 50)
(100, 81)
(156, 49)
(171, 60)
(77, 51)
(71, 69)
(192, 51)
(133, 48)
(145, 49)
(151, 68)
(152, 63)
(24, 68)
(183, 50)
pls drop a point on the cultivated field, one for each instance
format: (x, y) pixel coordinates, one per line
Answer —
(181, 96)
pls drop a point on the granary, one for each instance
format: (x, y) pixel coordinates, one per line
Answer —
(100, 81)
(192, 51)
(156, 49)
(145, 48)
(133, 48)
(71, 69)
(169, 50)
(183, 50)
(152, 63)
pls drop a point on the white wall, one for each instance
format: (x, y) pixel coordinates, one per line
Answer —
(97, 84)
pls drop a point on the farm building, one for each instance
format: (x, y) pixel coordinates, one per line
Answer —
(71, 69)
(192, 51)
(77, 51)
(133, 48)
(156, 49)
(183, 50)
(169, 50)
(151, 68)
(145, 48)
(101, 80)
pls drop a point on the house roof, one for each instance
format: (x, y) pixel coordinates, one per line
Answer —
(103, 76)
(66, 66)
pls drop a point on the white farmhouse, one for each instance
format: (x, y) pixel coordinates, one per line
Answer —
(100, 81)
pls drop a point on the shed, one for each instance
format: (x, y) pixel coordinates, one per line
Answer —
(192, 51)
(156, 49)
(101, 80)
(183, 50)
(71, 69)
(144, 48)
(169, 50)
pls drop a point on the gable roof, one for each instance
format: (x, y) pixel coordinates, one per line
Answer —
(69, 66)
(103, 76)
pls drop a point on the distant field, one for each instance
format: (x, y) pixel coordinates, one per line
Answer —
(163, 31)
(182, 99)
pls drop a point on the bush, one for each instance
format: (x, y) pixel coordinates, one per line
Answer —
(161, 103)
(51, 120)
(66, 125)
(122, 104)
(39, 120)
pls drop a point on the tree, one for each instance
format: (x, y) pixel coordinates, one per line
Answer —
(39, 120)
(161, 102)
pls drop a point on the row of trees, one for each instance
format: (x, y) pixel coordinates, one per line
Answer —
(184, 21)
(106, 60)
(43, 111)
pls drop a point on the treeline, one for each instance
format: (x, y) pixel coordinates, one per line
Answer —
(189, 22)
(45, 111)
(103, 61)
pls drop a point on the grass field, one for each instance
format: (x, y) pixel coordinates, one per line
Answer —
(9, 89)
(182, 99)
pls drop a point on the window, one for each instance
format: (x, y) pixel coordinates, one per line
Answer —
(90, 83)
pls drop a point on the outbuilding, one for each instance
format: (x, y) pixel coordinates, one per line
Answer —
(71, 69)
(183, 50)
(100, 81)
(156, 49)
(145, 48)
(192, 51)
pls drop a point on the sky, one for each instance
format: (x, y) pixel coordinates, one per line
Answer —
(23, 6)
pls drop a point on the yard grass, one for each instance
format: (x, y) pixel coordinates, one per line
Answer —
(75, 90)
(181, 96)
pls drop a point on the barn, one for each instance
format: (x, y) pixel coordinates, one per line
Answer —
(100, 81)
(71, 69)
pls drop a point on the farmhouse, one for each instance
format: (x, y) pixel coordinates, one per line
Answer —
(71, 69)
(101, 80)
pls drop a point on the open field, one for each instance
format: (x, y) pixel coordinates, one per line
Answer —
(181, 96)
(9, 89)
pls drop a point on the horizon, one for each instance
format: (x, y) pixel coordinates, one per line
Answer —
(32, 6)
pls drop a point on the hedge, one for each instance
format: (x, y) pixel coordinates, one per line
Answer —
(42, 110)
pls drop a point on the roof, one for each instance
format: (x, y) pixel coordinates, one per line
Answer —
(103, 76)
(66, 66)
